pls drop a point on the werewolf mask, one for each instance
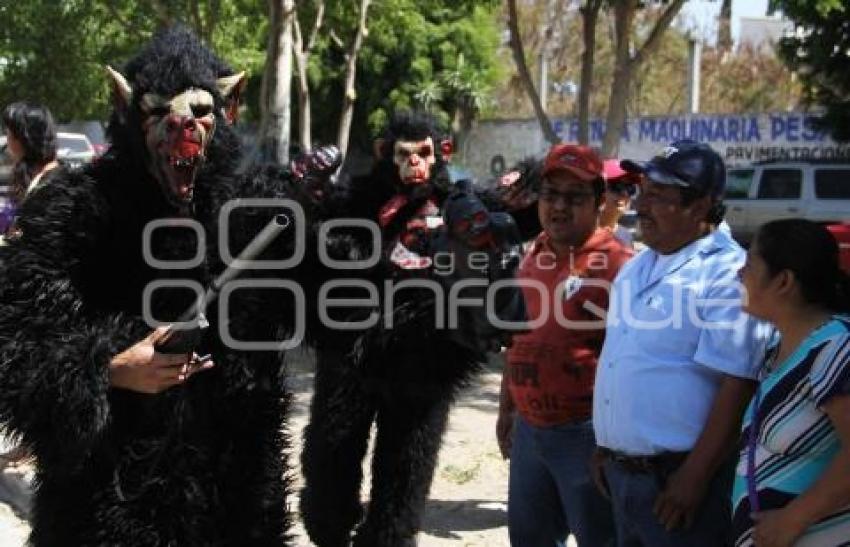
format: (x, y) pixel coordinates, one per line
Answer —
(177, 130)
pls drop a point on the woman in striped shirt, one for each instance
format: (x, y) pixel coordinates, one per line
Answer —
(792, 485)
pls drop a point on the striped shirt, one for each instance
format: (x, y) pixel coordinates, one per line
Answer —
(796, 440)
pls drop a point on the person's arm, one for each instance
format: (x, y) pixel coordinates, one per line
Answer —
(829, 493)
(504, 422)
(685, 488)
(143, 369)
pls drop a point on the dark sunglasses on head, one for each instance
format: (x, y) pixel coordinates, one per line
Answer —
(622, 188)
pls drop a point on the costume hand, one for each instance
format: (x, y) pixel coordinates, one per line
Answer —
(597, 473)
(515, 193)
(315, 168)
(141, 368)
(677, 504)
(776, 528)
(505, 432)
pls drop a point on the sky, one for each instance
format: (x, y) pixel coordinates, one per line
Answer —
(701, 15)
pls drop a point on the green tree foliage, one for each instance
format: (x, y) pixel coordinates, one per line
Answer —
(433, 54)
(438, 55)
(818, 52)
(54, 51)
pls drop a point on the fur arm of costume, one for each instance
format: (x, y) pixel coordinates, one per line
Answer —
(54, 353)
(526, 217)
(515, 192)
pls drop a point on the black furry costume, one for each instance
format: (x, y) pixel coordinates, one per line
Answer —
(402, 378)
(200, 464)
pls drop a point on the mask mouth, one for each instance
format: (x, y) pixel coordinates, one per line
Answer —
(417, 177)
(181, 166)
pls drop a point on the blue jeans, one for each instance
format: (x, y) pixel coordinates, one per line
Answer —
(551, 493)
(633, 496)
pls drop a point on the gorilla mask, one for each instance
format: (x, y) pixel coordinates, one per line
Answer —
(414, 160)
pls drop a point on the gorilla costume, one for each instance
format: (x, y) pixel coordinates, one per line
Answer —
(401, 377)
(198, 464)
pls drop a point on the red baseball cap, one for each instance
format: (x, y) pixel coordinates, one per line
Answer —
(578, 160)
(613, 172)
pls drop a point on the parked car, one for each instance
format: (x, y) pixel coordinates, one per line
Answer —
(765, 191)
(74, 149)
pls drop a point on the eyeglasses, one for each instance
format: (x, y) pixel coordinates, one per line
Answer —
(623, 188)
(572, 199)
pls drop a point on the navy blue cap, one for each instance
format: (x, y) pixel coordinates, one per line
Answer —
(687, 164)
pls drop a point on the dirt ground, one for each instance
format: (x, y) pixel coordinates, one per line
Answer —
(468, 500)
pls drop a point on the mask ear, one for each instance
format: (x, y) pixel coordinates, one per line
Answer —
(122, 93)
(378, 148)
(230, 88)
(446, 149)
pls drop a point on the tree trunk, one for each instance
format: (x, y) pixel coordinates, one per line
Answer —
(547, 34)
(302, 58)
(305, 137)
(724, 27)
(275, 96)
(625, 66)
(589, 17)
(624, 15)
(525, 76)
(350, 94)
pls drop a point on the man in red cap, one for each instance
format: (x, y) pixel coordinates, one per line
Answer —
(545, 405)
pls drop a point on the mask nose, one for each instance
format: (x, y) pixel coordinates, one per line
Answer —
(177, 122)
(414, 160)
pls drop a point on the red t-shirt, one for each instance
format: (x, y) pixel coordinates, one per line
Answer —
(552, 367)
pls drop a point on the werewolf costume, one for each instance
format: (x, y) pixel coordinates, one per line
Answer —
(402, 377)
(201, 463)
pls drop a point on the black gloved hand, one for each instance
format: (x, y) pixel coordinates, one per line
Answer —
(315, 168)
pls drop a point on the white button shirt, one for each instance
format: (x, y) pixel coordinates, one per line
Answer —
(672, 333)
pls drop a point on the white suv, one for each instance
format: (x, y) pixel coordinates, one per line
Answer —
(74, 149)
(818, 191)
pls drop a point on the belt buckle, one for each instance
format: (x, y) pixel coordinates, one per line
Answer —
(633, 464)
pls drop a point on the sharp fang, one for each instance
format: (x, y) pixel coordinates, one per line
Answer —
(182, 162)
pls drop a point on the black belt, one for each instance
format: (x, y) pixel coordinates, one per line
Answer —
(663, 463)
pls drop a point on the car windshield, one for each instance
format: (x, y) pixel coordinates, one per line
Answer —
(71, 145)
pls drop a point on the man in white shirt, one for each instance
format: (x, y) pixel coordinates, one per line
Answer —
(678, 363)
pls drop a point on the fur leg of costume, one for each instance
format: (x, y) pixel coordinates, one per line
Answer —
(335, 442)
